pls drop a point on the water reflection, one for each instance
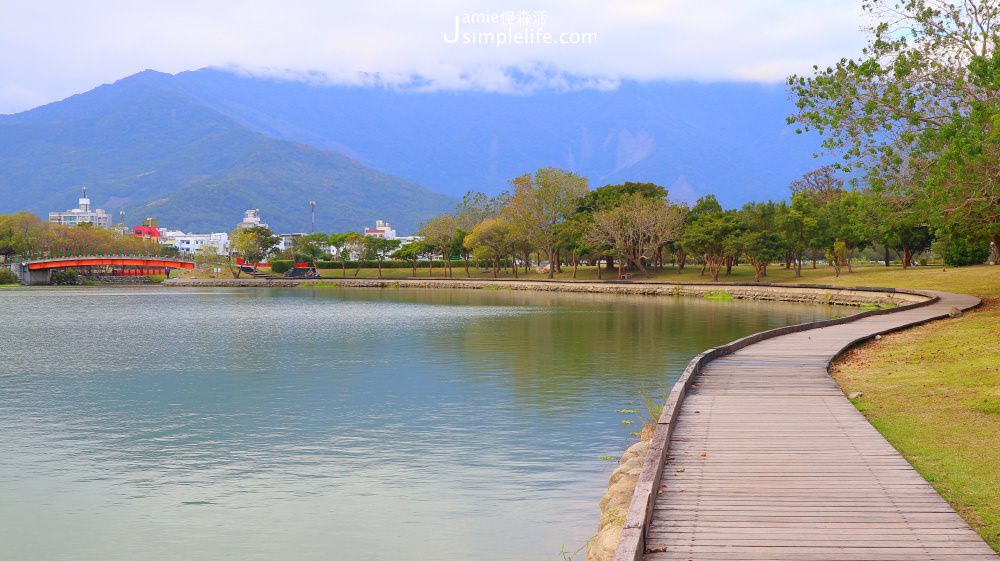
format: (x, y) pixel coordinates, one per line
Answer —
(316, 424)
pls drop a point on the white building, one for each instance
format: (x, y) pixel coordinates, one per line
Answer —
(286, 240)
(192, 243)
(382, 230)
(82, 215)
(251, 218)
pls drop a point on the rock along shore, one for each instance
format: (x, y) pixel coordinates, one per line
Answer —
(839, 295)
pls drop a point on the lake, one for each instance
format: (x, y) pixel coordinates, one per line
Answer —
(363, 424)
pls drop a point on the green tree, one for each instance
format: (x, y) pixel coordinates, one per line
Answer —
(309, 248)
(440, 234)
(491, 239)
(799, 226)
(540, 203)
(709, 236)
(410, 253)
(380, 249)
(254, 244)
(707, 204)
(636, 229)
(919, 110)
(354, 248)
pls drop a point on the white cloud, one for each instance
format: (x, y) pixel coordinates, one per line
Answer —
(51, 49)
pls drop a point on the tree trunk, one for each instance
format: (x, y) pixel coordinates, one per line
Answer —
(729, 265)
(379, 267)
(552, 261)
(466, 259)
(887, 257)
(681, 260)
(599, 270)
(513, 264)
(575, 263)
(704, 264)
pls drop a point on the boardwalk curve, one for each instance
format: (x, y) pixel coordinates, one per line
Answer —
(759, 456)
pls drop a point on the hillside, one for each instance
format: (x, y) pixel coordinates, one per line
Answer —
(723, 138)
(144, 145)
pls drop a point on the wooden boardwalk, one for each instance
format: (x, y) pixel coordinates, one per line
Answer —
(769, 461)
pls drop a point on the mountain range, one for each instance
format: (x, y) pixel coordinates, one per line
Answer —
(196, 149)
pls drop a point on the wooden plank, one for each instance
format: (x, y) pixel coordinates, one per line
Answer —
(767, 460)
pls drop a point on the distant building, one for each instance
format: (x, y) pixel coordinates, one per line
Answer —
(381, 230)
(82, 215)
(192, 243)
(286, 240)
(251, 218)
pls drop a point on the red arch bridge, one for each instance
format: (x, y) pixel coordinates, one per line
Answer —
(39, 270)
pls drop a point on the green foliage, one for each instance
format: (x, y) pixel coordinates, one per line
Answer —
(254, 244)
(279, 267)
(960, 252)
(7, 276)
(540, 203)
(65, 276)
(919, 112)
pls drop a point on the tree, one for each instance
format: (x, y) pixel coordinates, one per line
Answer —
(439, 233)
(379, 249)
(896, 223)
(913, 77)
(254, 244)
(846, 223)
(338, 242)
(310, 247)
(354, 247)
(21, 233)
(636, 228)
(708, 235)
(757, 236)
(491, 239)
(918, 110)
(541, 202)
(799, 226)
(821, 185)
(707, 204)
(411, 253)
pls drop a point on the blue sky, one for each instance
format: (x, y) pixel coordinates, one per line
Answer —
(51, 49)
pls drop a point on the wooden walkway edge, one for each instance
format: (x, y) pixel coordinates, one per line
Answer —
(759, 456)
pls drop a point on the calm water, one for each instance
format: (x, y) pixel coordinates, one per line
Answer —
(366, 424)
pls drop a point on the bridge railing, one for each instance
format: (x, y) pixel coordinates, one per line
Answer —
(165, 251)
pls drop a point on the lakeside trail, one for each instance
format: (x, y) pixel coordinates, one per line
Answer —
(759, 455)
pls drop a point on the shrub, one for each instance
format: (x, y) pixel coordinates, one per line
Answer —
(281, 267)
(67, 276)
(7, 276)
(960, 252)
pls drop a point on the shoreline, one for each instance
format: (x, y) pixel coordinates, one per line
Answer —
(808, 293)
